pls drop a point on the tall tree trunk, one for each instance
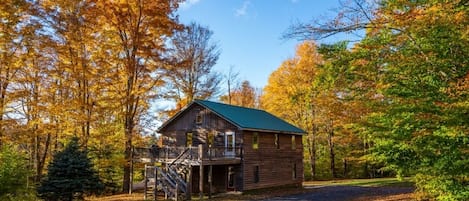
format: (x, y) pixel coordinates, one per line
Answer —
(331, 149)
(42, 159)
(2, 109)
(345, 168)
(131, 106)
(312, 143)
(128, 155)
(312, 152)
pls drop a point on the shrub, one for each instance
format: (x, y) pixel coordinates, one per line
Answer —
(13, 173)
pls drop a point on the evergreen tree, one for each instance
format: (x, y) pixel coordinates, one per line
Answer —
(70, 175)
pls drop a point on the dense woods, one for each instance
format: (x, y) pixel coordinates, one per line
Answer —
(396, 100)
(394, 103)
(82, 68)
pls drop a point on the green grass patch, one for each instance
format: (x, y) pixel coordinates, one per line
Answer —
(377, 182)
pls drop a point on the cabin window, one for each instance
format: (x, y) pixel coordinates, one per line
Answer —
(189, 139)
(198, 118)
(277, 143)
(293, 142)
(255, 140)
(256, 174)
(293, 171)
(211, 138)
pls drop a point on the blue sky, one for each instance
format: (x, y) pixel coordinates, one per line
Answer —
(248, 31)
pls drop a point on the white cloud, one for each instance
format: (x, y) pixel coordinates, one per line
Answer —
(243, 10)
(188, 3)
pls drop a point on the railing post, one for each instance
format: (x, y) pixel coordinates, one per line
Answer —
(176, 193)
(201, 172)
(201, 151)
(145, 188)
(155, 190)
(189, 184)
(166, 153)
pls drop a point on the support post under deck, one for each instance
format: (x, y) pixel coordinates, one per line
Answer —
(201, 173)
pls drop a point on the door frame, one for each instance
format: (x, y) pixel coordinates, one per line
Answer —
(230, 146)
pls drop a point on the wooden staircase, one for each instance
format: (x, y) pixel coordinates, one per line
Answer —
(170, 179)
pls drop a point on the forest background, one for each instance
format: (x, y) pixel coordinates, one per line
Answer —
(394, 103)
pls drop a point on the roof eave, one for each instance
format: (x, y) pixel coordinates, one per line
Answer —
(273, 131)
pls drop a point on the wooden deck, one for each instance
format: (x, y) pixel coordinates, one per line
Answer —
(194, 156)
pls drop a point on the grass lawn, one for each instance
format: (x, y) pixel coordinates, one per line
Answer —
(377, 182)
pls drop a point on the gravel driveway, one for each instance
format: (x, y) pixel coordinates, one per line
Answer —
(340, 193)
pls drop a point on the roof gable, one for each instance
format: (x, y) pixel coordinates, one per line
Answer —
(242, 117)
(250, 119)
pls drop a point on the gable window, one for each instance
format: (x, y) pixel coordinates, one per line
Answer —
(189, 139)
(256, 174)
(293, 142)
(277, 143)
(255, 140)
(199, 118)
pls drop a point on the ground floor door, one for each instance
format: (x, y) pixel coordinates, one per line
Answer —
(230, 180)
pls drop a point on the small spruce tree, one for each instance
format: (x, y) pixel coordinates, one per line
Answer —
(70, 175)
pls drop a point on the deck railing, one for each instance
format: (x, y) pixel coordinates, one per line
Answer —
(193, 153)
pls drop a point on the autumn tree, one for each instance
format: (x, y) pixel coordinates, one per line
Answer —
(137, 31)
(231, 82)
(289, 94)
(12, 28)
(74, 24)
(192, 77)
(244, 95)
(413, 52)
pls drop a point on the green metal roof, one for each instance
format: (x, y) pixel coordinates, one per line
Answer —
(250, 119)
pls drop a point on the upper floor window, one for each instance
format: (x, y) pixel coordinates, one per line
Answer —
(211, 138)
(199, 118)
(293, 142)
(189, 139)
(277, 141)
(255, 140)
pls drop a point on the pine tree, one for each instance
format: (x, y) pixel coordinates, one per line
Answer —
(70, 175)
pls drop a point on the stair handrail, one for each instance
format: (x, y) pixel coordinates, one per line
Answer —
(179, 156)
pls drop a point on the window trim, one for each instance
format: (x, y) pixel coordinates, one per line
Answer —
(277, 141)
(199, 118)
(255, 140)
(293, 142)
(211, 138)
(191, 134)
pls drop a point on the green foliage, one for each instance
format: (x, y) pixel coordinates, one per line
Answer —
(419, 131)
(410, 74)
(13, 173)
(107, 160)
(70, 175)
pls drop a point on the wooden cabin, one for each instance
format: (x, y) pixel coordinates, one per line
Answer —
(234, 148)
